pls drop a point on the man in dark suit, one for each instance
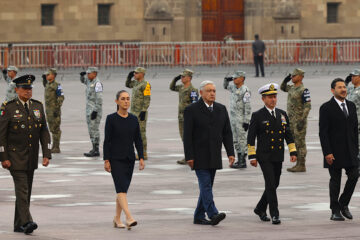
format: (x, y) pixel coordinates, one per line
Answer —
(271, 127)
(206, 128)
(22, 126)
(338, 126)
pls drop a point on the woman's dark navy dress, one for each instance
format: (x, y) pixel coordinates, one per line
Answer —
(121, 134)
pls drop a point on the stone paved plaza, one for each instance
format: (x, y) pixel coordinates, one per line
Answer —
(74, 198)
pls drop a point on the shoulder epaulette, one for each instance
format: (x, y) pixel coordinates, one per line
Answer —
(37, 101)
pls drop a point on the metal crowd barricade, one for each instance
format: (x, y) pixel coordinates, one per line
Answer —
(131, 54)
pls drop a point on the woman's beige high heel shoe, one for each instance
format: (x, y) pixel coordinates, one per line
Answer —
(121, 225)
(130, 224)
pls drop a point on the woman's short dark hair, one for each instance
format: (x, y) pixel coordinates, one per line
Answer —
(333, 83)
(119, 93)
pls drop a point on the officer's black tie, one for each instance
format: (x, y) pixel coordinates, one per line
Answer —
(210, 109)
(26, 108)
(344, 110)
(273, 114)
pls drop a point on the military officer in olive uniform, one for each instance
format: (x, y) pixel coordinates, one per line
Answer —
(54, 98)
(240, 112)
(22, 127)
(94, 95)
(140, 100)
(187, 95)
(298, 108)
(9, 75)
(271, 127)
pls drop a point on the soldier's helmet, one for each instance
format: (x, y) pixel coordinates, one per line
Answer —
(238, 74)
(356, 72)
(140, 70)
(187, 72)
(13, 68)
(92, 69)
(298, 71)
(51, 71)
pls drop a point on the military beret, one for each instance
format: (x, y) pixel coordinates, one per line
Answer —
(298, 71)
(140, 70)
(12, 68)
(25, 81)
(92, 69)
(187, 72)
(238, 74)
(269, 89)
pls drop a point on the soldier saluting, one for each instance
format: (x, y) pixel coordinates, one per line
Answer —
(141, 96)
(54, 98)
(298, 108)
(271, 127)
(22, 127)
(187, 95)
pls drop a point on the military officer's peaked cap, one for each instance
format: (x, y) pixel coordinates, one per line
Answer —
(140, 70)
(25, 81)
(356, 72)
(187, 72)
(12, 68)
(269, 89)
(238, 74)
(298, 71)
(92, 69)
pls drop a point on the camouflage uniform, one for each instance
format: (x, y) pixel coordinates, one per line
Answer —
(298, 108)
(94, 95)
(240, 113)
(54, 98)
(186, 97)
(140, 102)
(354, 96)
(10, 91)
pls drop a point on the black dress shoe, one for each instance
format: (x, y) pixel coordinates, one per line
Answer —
(346, 213)
(19, 229)
(202, 221)
(217, 218)
(30, 227)
(276, 220)
(262, 215)
(337, 217)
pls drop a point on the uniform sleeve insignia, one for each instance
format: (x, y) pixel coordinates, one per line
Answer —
(2, 112)
(98, 87)
(194, 96)
(147, 91)
(306, 96)
(59, 91)
(246, 97)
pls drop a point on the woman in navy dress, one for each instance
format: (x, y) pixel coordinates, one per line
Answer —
(122, 131)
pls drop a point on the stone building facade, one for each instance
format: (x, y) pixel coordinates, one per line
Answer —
(170, 20)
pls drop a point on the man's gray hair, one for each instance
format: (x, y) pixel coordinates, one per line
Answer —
(206, 82)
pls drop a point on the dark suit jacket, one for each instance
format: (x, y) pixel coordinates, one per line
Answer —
(270, 134)
(338, 134)
(20, 134)
(204, 134)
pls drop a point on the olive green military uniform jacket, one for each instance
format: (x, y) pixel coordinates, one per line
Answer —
(20, 134)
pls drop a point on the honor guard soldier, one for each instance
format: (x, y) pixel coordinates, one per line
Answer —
(140, 100)
(9, 75)
(240, 112)
(187, 95)
(54, 98)
(22, 127)
(298, 108)
(94, 95)
(271, 127)
(354, 94)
